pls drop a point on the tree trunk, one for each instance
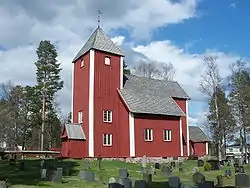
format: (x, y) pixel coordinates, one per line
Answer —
(218, 125)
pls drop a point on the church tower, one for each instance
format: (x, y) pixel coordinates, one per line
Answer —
(97, 73)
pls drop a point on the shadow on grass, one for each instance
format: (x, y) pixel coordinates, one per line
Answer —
(30, 174)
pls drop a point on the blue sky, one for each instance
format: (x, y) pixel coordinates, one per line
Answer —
(177, 31)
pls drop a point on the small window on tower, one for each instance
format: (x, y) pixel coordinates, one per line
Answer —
(82, 62)
(107, 116)
(107, 139)
(107, 60)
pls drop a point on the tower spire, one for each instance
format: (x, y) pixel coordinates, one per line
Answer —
(99, 17)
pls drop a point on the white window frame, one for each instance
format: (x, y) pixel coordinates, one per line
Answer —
(167, 135)
(80, 116)
(107, 139)
(107, 61)
(148, 135)
(107, 116)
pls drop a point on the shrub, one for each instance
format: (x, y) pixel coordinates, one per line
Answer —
(207, 166)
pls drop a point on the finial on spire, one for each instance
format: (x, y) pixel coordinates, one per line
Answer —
(99, 17)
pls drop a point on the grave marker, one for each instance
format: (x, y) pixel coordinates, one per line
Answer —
(198, 178)
(242, 180)
(141, 184)
(174, 182)
(57, 176)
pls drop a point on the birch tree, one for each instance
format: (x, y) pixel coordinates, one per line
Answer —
(210, 82)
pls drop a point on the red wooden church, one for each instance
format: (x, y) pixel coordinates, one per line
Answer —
(115, 115)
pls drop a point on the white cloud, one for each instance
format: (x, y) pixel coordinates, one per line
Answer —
(68, 24)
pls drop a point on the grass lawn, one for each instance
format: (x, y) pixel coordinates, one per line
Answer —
(30, 176)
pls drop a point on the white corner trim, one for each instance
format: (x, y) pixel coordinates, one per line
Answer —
(72, 92)
(187, 119)
(131, 134)
(121, 72)
(206, 148)
(181, 141)
(91, 102)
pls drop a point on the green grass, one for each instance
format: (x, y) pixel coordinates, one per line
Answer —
(30, 176)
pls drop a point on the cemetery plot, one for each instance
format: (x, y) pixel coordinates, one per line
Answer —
(84, 173)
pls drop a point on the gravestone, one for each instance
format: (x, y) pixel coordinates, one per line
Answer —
(200, 163)
(147, 178)
(242, 180)
(152, 170)
(228, 173)
(167, 172)
(174, 182)
(82, 175)
(220, 181)
(123, 173)
(90, 176)
(3, 184)
(141, 184)
(57, 176)
(198, 178)
(112, 180)
(126, 182)
(207, 184)
(115, 185)
(157, 166)
(43, 174)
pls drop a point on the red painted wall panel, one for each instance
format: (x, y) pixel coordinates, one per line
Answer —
(198, 148)
(81, 98)
(107, 80)
(157, 148)
(182, 104)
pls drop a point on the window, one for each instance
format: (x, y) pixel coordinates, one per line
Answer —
(167, 135)
(80, 117)
(148, 135)
(82, 62)
(107, 139)
(107, 60)
(107, 116)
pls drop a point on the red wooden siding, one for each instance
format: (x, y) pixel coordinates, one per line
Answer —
(106, 80)
(157, 147)
(81, 99)
(198, 148)
(182, 104)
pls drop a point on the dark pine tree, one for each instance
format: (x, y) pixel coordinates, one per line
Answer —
(48, 84)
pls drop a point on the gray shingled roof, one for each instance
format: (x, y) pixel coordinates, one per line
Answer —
(197, 135)
(152, 96)
(99, 41)
(75, 131)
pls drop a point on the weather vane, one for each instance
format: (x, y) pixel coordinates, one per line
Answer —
(99, 17)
